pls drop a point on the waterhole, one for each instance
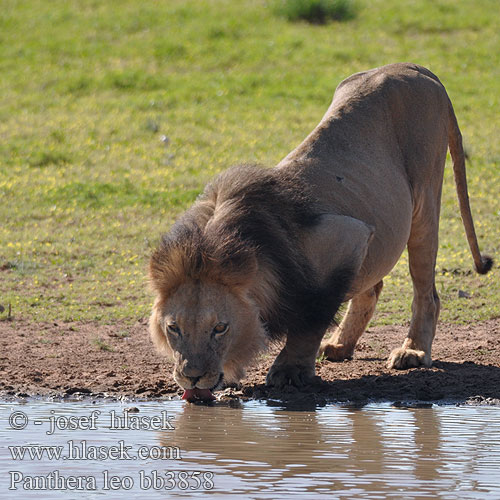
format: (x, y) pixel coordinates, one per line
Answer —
(173, 449)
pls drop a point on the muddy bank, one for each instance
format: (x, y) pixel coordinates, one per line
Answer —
(65, 359)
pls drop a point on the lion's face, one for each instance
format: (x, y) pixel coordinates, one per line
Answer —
(209, 331)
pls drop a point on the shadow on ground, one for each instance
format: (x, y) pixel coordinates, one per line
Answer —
(445, 382)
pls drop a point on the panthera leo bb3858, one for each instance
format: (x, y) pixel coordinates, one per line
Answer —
(270, 253)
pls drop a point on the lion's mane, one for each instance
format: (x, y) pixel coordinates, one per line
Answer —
(243, 232)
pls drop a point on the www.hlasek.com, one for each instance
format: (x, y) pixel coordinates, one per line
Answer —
(83, 450)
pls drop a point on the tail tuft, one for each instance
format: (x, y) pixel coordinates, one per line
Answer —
(486, 264)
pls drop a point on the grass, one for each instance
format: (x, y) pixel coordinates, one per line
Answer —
(115, 114)
(101, 345)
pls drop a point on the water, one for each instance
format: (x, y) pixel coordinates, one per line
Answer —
(251, 451)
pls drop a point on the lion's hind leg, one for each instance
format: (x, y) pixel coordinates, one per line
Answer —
(422, 251)
(359, 312)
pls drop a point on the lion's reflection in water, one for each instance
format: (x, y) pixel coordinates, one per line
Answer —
(335, 449)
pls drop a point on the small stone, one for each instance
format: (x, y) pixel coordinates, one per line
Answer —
(131, 409)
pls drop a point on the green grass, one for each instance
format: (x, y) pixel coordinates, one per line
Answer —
(101, 345)
(114, 114)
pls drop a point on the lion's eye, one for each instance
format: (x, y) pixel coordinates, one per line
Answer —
(220, 329)
(173, 328)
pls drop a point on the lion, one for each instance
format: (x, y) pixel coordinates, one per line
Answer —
(267, 254)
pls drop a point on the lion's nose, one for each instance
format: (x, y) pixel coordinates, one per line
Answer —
(193, 380)
(192, 369)
(192, 372)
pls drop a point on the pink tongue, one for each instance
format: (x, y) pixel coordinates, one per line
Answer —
(202, 394)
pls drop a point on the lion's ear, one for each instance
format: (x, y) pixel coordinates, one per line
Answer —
(337, 240)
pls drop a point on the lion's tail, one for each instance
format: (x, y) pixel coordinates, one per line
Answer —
(483, 263)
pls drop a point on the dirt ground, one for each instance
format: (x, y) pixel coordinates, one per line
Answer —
(76, 359)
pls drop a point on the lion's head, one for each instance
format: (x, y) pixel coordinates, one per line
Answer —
(204, 317)
(208, 330)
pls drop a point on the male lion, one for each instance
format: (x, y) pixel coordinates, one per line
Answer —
(266, 253)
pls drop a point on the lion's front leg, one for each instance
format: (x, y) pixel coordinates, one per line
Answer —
(295, 363)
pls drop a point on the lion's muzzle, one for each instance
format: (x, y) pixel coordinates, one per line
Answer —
(198, 387)
(204, 380)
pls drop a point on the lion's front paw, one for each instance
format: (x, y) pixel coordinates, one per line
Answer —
(335, 352)
(402, 358)
(286, 375)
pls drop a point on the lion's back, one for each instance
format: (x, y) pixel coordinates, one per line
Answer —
(387, 80)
